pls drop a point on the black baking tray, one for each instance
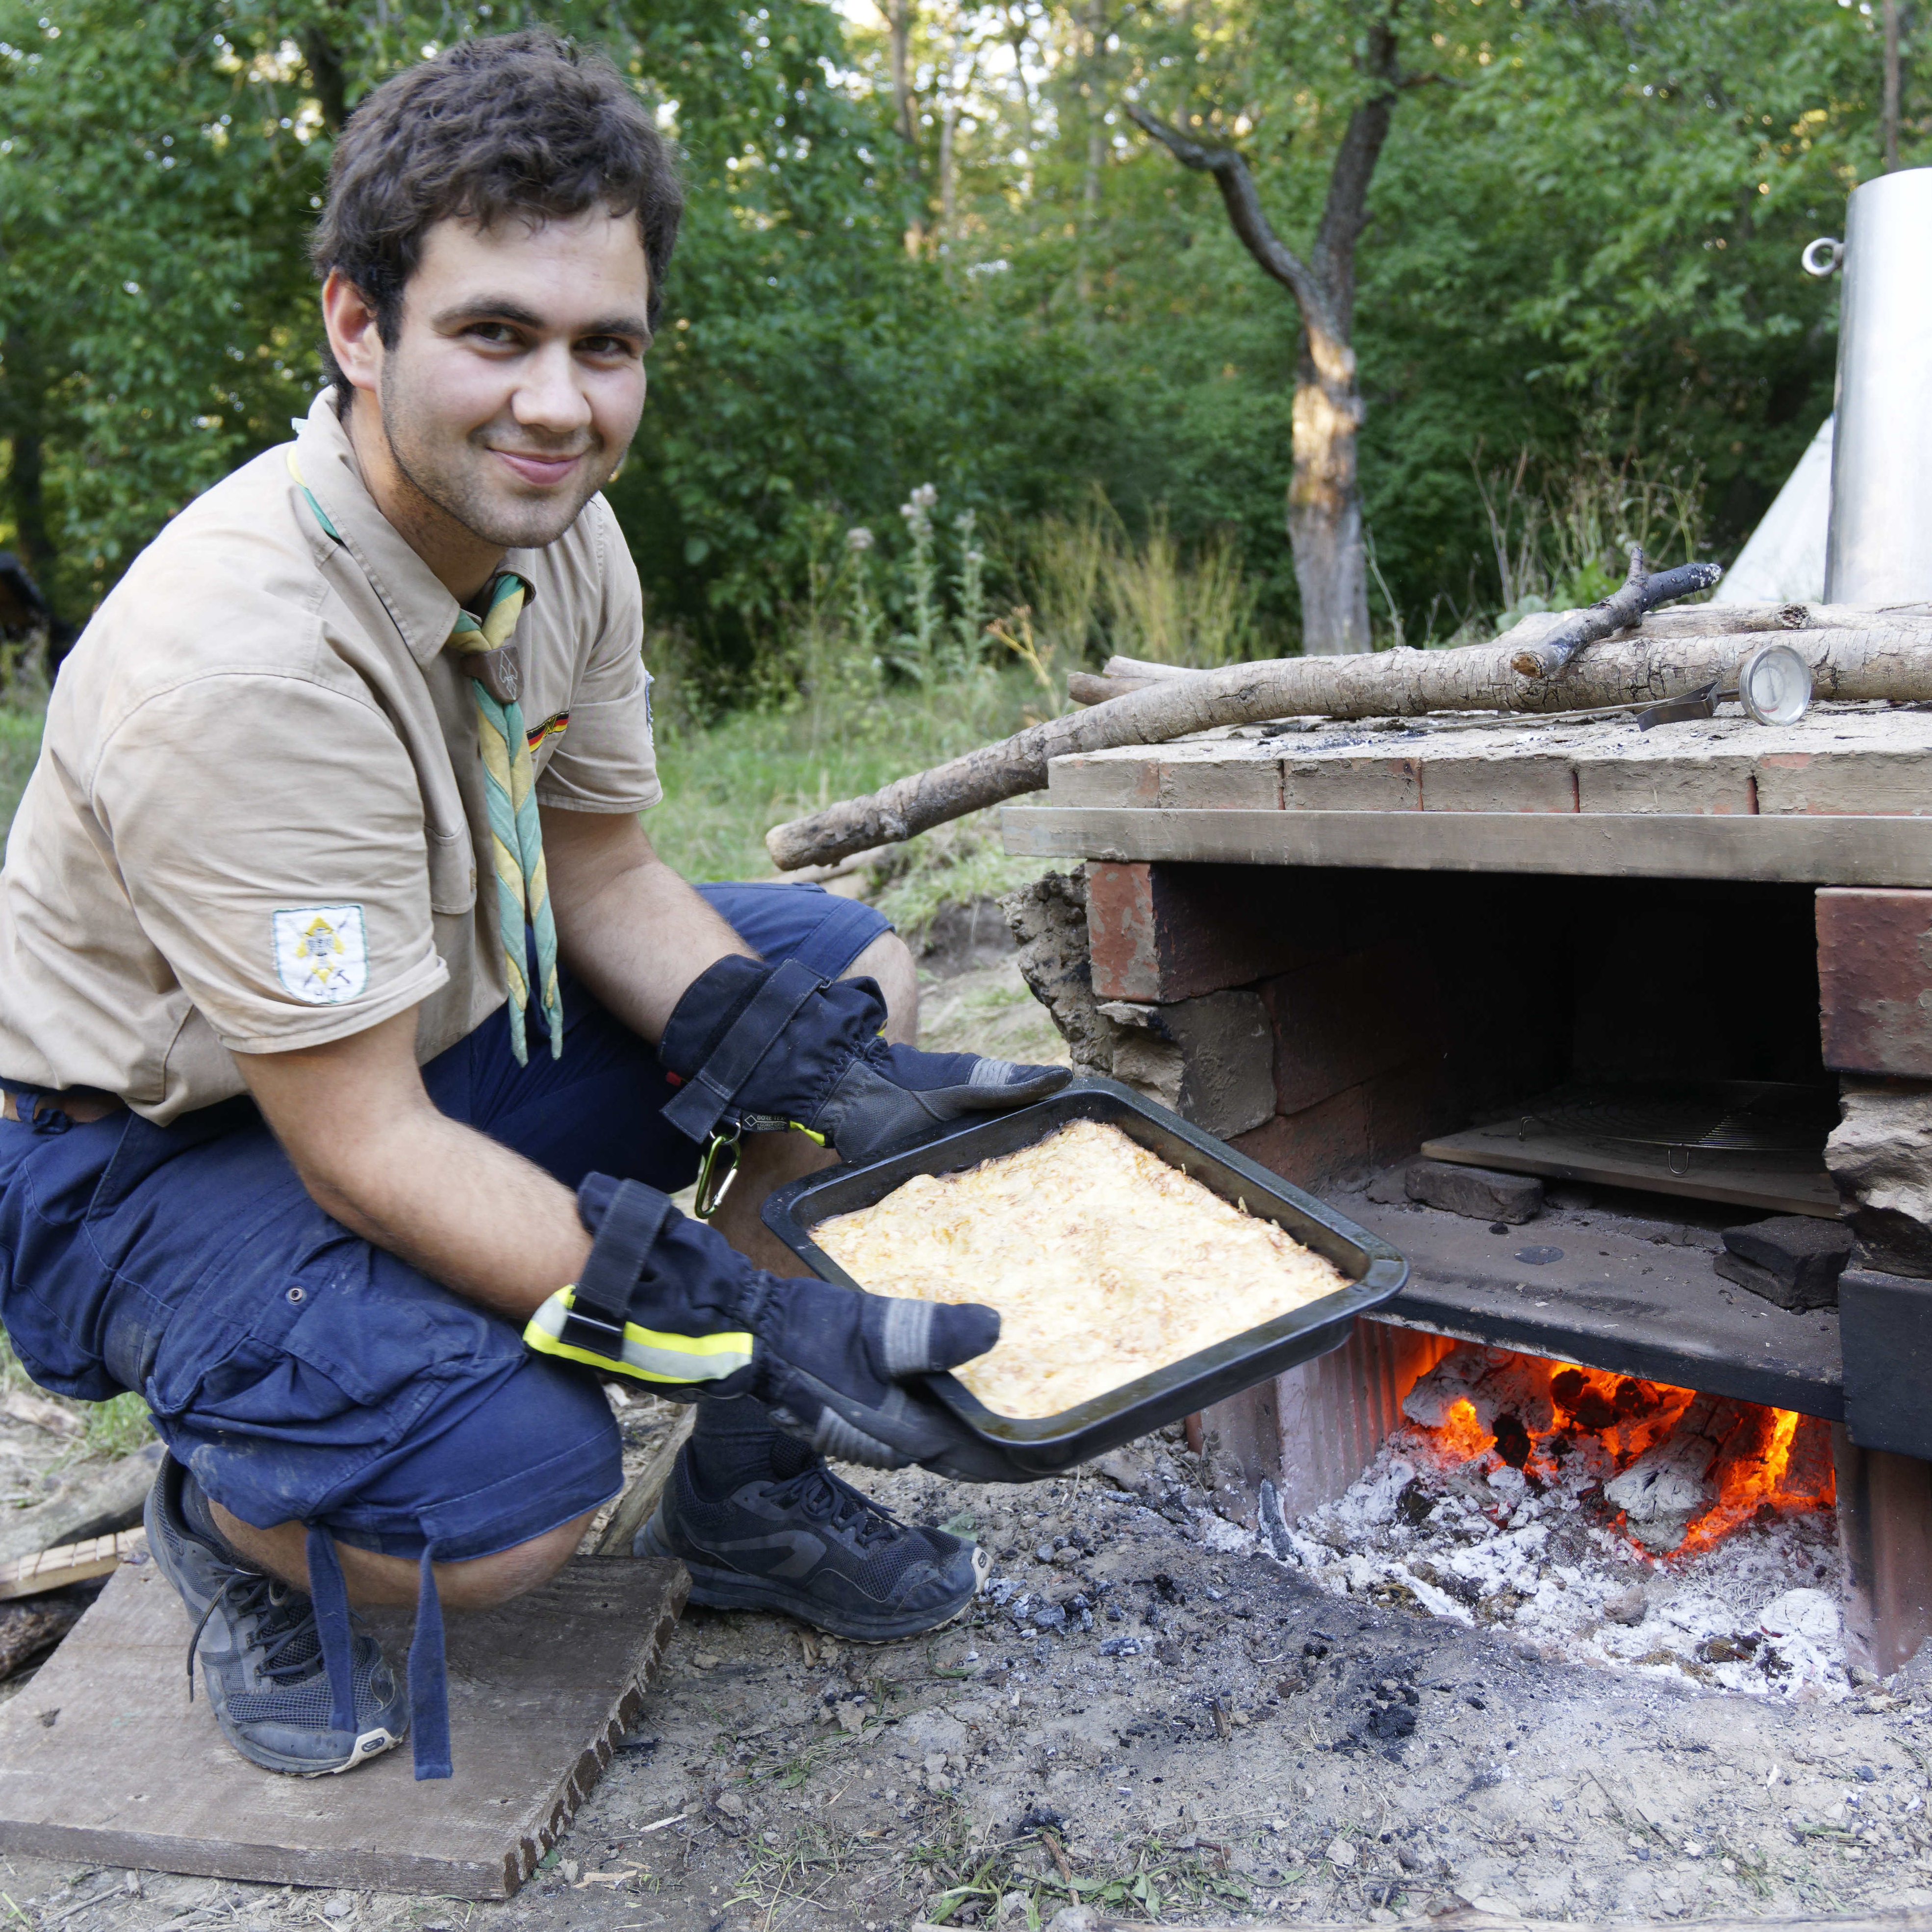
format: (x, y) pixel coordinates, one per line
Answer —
(1026, 1449)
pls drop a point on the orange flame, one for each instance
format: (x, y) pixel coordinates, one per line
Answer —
(1629, 1418)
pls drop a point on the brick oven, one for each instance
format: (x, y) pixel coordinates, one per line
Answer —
(1541, 949)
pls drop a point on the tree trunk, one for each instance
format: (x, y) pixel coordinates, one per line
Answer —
(1891, 114)
(26, 483)
(1324, 506)
(1090, 180)
(1324, 509)
(21, 406)
(898, 18)
(326, 75)
(948, 193)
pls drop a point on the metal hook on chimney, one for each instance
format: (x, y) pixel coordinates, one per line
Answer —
(1821, 258)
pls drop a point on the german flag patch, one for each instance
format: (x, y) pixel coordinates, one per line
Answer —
(551, 727)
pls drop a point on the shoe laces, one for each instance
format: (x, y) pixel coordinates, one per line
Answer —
(821, 1496)
(283, 1617)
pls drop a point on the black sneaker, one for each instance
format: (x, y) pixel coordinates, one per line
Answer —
(816, 1548)
(261, 1656)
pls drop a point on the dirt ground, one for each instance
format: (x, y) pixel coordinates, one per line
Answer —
(1146, 1713)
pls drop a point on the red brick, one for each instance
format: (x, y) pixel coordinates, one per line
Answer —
(1875, 980)
(1120, 931)
(1317, 1145)
(1167, 932)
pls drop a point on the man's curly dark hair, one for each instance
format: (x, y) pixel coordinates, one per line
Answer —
(519, 124)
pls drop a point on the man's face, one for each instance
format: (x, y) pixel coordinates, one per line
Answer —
(517, 378)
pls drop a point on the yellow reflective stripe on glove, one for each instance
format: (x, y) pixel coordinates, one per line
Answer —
(650, 1354)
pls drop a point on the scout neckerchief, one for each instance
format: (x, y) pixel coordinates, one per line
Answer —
(516, 834)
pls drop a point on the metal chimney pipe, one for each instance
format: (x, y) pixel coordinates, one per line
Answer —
(1880, 549)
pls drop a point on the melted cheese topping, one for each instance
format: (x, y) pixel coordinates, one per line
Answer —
(1104, 1262)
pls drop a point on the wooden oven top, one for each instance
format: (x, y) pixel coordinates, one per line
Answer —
(1843, 797)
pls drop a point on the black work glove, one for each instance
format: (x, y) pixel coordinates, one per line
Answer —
(663, 1299)
(766, 1047)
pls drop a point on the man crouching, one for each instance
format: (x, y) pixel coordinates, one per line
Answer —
(353, 1035)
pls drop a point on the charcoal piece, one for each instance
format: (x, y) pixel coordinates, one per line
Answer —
(1390, 1721)
(1481, 1193)
(1794, 1260)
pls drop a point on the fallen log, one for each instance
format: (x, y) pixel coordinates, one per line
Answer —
(1642, 590)
(1121, 675)
(1854, 654)
(1083, 688)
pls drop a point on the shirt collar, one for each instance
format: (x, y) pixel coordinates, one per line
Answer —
(423, 611)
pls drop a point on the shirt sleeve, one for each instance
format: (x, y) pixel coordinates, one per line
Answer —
(606, 761)
(269, 832)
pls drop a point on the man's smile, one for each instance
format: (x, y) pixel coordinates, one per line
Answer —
(541, 470)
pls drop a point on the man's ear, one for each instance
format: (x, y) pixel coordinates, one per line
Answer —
(350, 323)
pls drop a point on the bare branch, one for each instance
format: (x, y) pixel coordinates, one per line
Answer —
(1244, 213)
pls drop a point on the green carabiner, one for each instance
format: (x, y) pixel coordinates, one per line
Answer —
(711, 1183)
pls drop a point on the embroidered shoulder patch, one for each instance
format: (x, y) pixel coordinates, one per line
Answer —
(322, 953)
(551, 727)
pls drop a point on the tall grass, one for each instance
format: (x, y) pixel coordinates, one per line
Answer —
(1092, 590)
(727, 781)
(1560, 538)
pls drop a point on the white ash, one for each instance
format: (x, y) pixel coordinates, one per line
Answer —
(1479, 1542)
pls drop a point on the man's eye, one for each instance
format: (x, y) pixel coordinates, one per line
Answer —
(609, 348)
(498, 332)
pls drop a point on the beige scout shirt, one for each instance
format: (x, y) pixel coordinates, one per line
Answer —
(260, 731)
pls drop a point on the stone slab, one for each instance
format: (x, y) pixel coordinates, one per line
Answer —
(1853, 759)
(1361, 782)
(1658, 778)
(1794, 1260)
(104, 1760)
(1453, 780)
(1802, 849)
(1478, 1193)
(1777, 1183)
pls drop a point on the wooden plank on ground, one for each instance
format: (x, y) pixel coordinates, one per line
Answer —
(634, 1507)
(1800, 849)
(1786, 1186)
(104, 1760)
(67, 1563)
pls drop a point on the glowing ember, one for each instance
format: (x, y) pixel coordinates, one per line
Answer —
(1600, 1518)
(1679, 1471)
